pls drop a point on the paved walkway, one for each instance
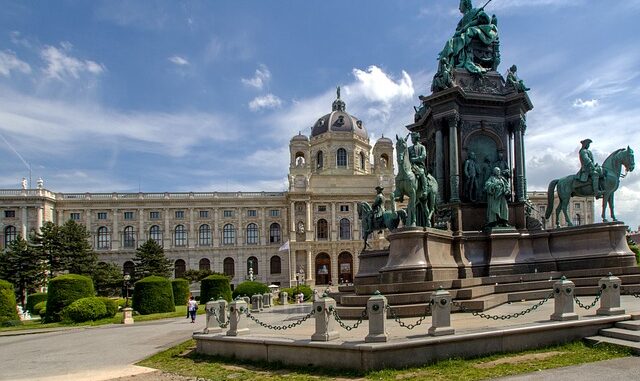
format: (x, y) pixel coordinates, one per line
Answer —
(627, 368)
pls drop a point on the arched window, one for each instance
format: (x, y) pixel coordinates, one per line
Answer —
(228, 235)
(341, 157)
(204, 264)
(275, 265)
(180, 267)
(362, 161)
(323, 268)
(229, 267)
(274, 233)
(180, 236)
(322, 230)
(204, 235)
(252, 234)
(345, 229)
(129, 268)
(319, 160)
(345, 267)
(129, 237)
(252, 262)
(300, 160)
(10, 235)
(577, 220)
(104, 238)
(155, 234)
(384, 160)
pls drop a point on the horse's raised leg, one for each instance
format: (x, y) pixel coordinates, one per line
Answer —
(604, 209)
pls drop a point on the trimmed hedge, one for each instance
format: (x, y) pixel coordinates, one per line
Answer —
(110, 304)
(180, 288)
(40, 308)
(8, 311)
(64, 290)
(34, 299)
(215, 287)
(85, 309)
(250, 288)
(153, 294)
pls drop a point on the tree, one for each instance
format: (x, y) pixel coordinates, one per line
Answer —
(150, 260)
(196, 275)
(67, 248)
(107, 279)
(24, 266)
(50, 245)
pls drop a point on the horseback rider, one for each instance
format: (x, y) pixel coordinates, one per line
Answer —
(417, 157)
(377, 208)
(589, 168)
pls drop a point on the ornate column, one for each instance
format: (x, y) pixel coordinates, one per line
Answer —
(355, 227)
(39, 217)
(292, 229)
(215, 231)
(167, 237)
(23, 222)
(439, 167)
(141, 236)
(191, 238)
(333, 231)
(309, 266)
(115, 240)
(264, 237)
(240, 229)
(519, 160)
(309, 228)
(454, 173)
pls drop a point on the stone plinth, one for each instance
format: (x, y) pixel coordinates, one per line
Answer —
(127, 315)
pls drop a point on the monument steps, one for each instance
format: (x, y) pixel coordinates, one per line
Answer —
(633, 325)
(621, 333)
(631, 345)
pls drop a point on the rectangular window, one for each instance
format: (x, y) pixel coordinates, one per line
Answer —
(252, 213)
(204, 214)
(576, 205)
(274, 213)
(154, 215)
(128, 215)
(102, 215)
(74, 216)
(179, 214)
(344, 208)
(227, 213)
(322, 208)
(9, 214)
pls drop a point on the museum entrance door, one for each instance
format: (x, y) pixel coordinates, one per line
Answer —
(345, 267)
(323, 269)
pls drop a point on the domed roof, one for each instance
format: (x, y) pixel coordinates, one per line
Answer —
(339, 121)
(300, 138)
(384, 140)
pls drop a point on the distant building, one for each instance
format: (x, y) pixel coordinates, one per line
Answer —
(581, 209)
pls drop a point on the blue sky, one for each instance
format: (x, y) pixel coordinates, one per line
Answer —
(102, 96)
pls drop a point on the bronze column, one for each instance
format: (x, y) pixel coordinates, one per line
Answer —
(439, 168)
(454, 173)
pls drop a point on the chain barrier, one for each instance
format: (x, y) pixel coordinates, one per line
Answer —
(590, 306)
(507, 316)
(634, 294)
(279, 327)
(395, 317)
(221, 324)
(363, 315)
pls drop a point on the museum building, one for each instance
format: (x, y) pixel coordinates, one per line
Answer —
(311, 233)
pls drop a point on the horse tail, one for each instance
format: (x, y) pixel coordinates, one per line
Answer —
(552, 187)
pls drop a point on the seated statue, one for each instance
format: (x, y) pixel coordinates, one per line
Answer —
(514, 81)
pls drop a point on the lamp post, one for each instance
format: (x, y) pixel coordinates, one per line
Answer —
(127, 279)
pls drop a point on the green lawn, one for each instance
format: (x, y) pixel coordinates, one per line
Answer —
(183, 360)
(181, 311)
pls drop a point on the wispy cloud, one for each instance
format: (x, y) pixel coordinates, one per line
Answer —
(178, 60)
(261, 77)
(61, 65)
(580, 103)
(10, 62)
(266, 102)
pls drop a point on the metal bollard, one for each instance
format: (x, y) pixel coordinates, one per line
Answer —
(563, 291)
(237, 325)
(376, 309)
(266, 300)
(441, 313)
(325, 323)
(256, 300)
(610, 297)
(284, 298)
(211, 325)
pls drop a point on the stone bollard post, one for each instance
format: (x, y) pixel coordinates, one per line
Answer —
(610, 298)
(127, 315)
(255, 303)
(325, 323)
(377, 311)
(441, 313)
(284, 298)
(316, 296)
(266, 300)
(563, 300)
(211, 325)
(247, 300)
(237, 325)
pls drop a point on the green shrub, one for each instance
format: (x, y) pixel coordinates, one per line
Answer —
(215, 287)
(153, 294)
(34, 299)
(121, 302)
(111, 305)
(636, 251)
(250, 288)
(303, 288)
(39, 308)
(85, 309)
(180, 291)
(64, 290)
(8, 311)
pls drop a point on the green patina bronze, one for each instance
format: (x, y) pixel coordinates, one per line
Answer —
(591, 180)
(474, 46)
(375, 217)
(514, 81)
(497, 190)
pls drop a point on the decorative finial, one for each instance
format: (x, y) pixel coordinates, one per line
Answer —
(338, 92)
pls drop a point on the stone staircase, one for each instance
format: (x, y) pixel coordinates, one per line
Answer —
(624, 334)
(479, 294)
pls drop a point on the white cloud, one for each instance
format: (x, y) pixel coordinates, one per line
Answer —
(10, 62)
(261, 77)
(266, 102)
(61, 65)
(377, 86)
(180, 61)
(580, 103)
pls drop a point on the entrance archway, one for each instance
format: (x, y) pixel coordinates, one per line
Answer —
(345, 267)
(323, 269)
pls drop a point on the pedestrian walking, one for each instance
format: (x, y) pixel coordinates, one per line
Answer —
(192, 308)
